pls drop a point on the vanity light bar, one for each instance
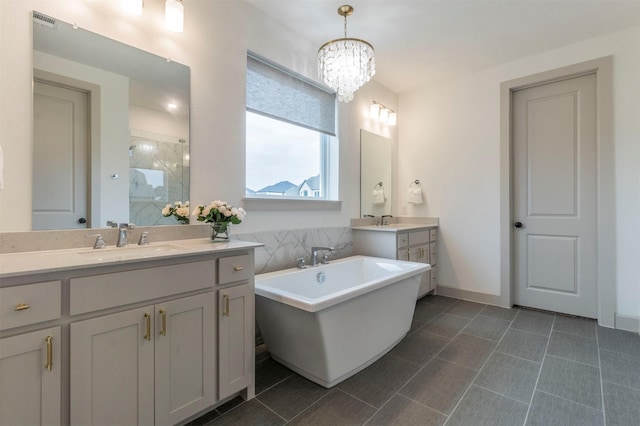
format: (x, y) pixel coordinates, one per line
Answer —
(173, 12)
(383, 114)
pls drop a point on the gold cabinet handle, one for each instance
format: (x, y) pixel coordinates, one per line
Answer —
(21, 307)
(237, 268)
(49, 364)
(163, 322)
(225, 312)
(147, 334)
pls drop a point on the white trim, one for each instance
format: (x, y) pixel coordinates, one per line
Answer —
(472, 296)
(606, 279)
(290, 204)
(628, 323)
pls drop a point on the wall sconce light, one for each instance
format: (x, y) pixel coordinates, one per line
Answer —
(385, 115)
(133, 7)
(174, 15)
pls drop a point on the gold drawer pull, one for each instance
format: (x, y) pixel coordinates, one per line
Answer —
(49, 364)
(225, 312)
(147, 334)
(163, 325)
(237, 268)
(22, 307)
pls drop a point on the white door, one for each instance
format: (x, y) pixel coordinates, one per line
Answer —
(554, 178)
(60, 157)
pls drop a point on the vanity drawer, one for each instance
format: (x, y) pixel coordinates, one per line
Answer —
(234, 268)
(403, 240)
(433, 232)
(115, 289)
(418, 237)
(29, 304)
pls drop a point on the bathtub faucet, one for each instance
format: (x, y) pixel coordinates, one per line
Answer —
(314, 254)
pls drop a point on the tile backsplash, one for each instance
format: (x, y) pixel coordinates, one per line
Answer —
(281, 248)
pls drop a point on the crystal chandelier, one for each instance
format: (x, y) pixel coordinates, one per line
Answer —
(346, 64)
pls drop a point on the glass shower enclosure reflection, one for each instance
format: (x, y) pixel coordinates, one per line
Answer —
(158, 175)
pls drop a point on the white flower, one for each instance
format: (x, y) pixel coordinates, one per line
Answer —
(222, 209)
(206, 210)
(177, 203)
(218, 203)
(182, 211)
(226, 213)
(166, 210)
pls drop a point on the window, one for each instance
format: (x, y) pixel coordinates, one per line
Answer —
(291, 151)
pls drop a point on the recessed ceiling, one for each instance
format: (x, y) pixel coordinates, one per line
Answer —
(421, 42)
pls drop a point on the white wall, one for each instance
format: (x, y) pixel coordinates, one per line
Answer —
(214, 44)
(450, 138)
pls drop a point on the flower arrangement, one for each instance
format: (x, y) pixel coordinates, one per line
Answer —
(220, 214)
(179, 210)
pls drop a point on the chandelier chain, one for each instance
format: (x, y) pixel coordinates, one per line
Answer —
(345, 26)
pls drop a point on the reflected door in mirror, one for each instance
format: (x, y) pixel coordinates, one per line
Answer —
(60, 147)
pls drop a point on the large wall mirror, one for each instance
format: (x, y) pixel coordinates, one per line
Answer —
(376, 171)
(111, 130)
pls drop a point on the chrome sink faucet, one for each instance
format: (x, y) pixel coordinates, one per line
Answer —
(314, 254)
(122, 234)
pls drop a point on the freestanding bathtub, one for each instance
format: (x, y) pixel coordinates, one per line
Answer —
(330, 321)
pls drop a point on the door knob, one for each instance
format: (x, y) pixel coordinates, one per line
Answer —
(518, 224)
(82, 220)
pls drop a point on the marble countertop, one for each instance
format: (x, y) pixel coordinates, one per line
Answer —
(25, 263)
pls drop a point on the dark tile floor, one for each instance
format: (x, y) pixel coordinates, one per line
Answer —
(465, 363)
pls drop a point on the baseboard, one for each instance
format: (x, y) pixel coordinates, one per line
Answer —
(628, 323)
(471, 296)
(622, 322)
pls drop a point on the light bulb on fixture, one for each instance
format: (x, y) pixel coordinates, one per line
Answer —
(374, 111)
(174, 15)
(133, 7)
(393, 119)
(384, 115)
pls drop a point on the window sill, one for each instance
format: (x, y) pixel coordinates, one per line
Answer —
(292, 204)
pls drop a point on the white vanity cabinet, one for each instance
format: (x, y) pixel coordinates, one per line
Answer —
(155, 359)
(151, 341)
(30, 378)
(416, 244)
(152, 364)
(236, 335)
(30, 363)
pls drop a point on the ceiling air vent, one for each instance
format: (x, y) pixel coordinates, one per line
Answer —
(44, 20)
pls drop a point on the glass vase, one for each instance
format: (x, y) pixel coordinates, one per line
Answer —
(220, 231)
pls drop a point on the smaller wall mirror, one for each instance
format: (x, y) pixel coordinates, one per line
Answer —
(376, 171)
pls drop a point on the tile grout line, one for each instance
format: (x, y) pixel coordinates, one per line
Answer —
(270, 409)
(535, 388)
(504, 333)
(604, 416)
(568, 400)
(421, 368)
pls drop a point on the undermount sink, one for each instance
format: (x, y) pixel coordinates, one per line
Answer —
(131, 252)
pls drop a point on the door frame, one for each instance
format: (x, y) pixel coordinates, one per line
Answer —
(94, 136)
(605, 188)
